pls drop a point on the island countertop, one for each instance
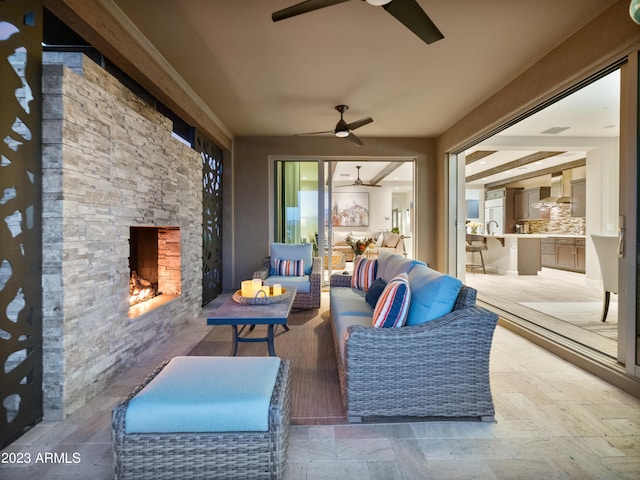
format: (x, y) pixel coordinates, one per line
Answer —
(537, 235)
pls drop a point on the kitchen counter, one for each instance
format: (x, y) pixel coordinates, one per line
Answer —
(502, 236)
(518, 253)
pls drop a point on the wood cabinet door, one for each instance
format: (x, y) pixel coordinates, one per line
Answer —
(520, 200)
(565, 256)
(580, 258)
(579, 198)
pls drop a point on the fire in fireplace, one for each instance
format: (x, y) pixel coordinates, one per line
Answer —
(154, 263)
(141, 290)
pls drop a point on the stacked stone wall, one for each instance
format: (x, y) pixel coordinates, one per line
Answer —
(110, 162)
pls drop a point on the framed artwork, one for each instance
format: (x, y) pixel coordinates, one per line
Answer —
(350, 209)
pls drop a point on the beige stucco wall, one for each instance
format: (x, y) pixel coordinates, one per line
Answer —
(250, 224)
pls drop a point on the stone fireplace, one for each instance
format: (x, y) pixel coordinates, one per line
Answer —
(154, 265)
(110, 167)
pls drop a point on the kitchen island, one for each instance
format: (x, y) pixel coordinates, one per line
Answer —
(517, 254)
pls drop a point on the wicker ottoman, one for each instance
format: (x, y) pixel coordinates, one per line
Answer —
(205, 454)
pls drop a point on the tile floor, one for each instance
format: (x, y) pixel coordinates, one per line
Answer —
(553, 421)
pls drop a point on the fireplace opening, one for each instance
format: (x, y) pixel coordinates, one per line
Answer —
(154, 265)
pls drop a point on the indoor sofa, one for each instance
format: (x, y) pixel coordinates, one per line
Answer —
(436, 365)
(383, 241)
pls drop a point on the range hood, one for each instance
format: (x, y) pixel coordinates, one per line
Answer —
(556, 193)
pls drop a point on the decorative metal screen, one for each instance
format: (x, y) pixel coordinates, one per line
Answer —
(211, 218)
(20, 218)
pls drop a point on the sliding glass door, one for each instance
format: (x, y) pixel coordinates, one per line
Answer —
(297, 218)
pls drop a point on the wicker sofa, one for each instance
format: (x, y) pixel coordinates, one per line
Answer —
(437, 369)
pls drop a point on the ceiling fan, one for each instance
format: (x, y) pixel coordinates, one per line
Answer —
(343, 129)
(408, 12)
(359, 182)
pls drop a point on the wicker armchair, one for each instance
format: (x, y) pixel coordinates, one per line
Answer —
(303, 300)
(438, 369)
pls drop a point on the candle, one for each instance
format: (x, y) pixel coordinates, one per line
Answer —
(257, 283)
(247, 288)
(263, 292)
(277, 289)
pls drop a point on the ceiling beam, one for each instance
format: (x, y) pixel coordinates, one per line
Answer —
(477, 155)
(538, 173)
(534, 157)
(385, 172)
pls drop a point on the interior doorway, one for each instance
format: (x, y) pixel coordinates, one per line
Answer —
(333, 203)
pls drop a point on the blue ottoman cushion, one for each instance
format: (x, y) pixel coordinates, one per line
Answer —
(206, 394)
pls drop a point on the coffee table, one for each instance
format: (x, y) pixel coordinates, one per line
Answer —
(224, 310)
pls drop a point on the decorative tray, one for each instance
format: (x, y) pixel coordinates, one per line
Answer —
(237, 296)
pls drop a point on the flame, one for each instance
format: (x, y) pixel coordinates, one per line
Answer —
(139, 295)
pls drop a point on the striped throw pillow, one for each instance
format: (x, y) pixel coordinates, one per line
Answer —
(289, 268)
(364, 273)
(393, 305)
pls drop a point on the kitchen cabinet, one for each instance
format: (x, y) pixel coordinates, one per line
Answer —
(525, 199)
(579, 198)
(548, 252)
(565, 253)
(581, 250)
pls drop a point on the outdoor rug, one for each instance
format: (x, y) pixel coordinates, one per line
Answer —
(315, 389)
(582, 314)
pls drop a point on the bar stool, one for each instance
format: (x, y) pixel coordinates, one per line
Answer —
(476, 243)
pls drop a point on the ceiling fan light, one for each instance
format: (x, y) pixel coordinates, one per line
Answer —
(378, 3)
(342, 133)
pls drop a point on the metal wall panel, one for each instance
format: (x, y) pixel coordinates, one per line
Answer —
(211, 218)
(20, 218)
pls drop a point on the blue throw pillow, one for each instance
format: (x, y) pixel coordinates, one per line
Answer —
(393, 305)
(374, 292)
(433, 295)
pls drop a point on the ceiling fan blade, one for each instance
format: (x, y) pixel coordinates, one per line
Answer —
(303, 7)
(352, 138)
(359, 123)
(411, 15)
(312, 133)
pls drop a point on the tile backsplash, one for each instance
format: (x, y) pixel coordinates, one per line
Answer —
(560, 221)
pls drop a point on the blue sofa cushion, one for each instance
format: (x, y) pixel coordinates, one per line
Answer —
(290, 251)
(392, 264)
(433, 295)
(393, 305)
(374, 292)
(349, 301)
(364, 273)
(303, 284)
(206, 394)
